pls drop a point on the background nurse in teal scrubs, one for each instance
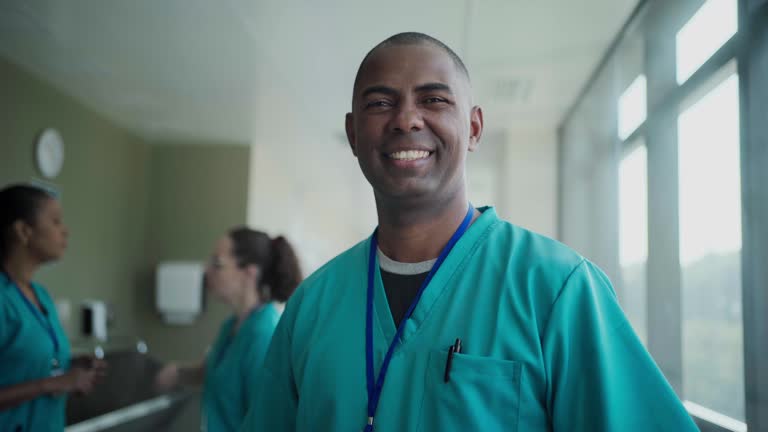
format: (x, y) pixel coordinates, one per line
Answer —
(36, 372)
(248, 270)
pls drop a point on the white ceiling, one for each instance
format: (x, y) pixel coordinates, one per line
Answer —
(282, 71)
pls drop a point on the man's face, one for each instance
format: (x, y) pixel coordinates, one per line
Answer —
(412, 123)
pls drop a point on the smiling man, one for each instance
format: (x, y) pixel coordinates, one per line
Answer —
(448, 318)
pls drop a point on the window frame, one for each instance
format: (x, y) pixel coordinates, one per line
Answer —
(658, 22)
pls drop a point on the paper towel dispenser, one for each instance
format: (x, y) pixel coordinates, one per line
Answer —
(179, 291)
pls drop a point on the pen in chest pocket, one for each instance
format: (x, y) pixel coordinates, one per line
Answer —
(454, 349)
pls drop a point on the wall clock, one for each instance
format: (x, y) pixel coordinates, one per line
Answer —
(49, 153)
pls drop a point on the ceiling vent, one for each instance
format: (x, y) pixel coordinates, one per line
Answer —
(512, 91)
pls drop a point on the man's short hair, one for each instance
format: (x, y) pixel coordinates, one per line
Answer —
(413, 38)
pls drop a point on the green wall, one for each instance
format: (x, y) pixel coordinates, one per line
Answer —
(199, 192)
(103, 186)
(129, 204)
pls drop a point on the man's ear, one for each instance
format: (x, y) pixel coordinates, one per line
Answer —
(351, 138)
(475, 127)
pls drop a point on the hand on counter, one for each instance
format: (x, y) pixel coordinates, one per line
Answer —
(89, 362)
(84, 373)
(167, 378)
(172, 376)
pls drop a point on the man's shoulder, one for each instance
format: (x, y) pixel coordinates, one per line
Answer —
(341, 266)
(520, 246)
(529, 265)
(335, 273)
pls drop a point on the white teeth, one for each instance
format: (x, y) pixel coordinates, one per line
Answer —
(409, 155)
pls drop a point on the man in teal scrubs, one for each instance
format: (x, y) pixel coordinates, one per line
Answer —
(448, 318)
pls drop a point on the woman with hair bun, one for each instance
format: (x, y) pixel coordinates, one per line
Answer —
(248, 271)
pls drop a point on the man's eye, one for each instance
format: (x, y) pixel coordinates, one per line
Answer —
(378, 104)
(431, 100)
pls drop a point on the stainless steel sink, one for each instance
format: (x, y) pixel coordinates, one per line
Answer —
(125, 401)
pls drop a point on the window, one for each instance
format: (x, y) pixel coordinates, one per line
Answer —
(712, 25)
(633, 236)
(632, 107)
(710, 250)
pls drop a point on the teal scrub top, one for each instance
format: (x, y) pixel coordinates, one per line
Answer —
(26, 353)
(545, 347)
(232, 368)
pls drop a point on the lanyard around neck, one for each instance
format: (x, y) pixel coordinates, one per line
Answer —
(375, 385)
(45, 322)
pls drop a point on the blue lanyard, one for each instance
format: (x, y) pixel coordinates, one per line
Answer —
(375, 385)
(39, 316)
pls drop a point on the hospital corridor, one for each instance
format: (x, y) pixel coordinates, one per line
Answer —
(399, 216)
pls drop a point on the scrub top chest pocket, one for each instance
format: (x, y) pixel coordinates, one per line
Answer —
(481, 394)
